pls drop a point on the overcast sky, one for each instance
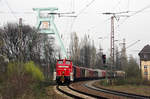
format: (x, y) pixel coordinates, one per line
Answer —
(90, 19)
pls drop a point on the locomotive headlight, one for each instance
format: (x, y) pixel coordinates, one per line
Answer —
(64, 69)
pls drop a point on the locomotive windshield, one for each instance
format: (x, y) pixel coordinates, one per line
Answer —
(60, 62)
(68, 62)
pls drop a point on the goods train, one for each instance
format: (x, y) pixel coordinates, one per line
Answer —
(66, 72)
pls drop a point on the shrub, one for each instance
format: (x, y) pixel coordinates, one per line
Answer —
(34, 71)
(131, 81)
(14, 68)
(119, 81)
(20, 79)
(17, 82)
(104, 82)
(28, 68)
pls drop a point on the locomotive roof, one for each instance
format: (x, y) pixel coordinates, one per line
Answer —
(63, 59)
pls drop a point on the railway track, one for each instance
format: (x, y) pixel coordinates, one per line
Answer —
(129, 95)
(67, 93)
(67, 90)
(80, 94)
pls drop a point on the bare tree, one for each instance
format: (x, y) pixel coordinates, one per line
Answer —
(85, 51)
(117, 59)
(32, 43)
(75, 49)
(93, 56)
(132, 69)
(99, 54)
(11, 39)
(123, 58)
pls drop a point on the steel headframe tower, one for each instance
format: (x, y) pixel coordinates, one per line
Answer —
(112, 55)
(49, 27)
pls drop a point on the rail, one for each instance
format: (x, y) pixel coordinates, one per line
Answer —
(68, 94)
(130, 95)
(91, 95)
(77, 96)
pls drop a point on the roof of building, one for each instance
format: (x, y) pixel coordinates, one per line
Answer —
(146, 49)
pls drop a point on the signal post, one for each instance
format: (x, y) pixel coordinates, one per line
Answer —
(105, 66)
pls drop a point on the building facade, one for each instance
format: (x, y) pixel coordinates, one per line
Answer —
(145, 62)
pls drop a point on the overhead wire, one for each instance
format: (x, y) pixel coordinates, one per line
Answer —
(14, 12)
(128, 5)
(116, 27)
(10, 9)
(70, 22)
(82, 10)
(136, 12)
(141, 10)
(73, 18)
(132, 44)
(117, 5)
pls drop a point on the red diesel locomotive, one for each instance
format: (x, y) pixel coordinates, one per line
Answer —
(63, 72)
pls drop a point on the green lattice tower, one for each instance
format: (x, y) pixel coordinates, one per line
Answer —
(50, 27)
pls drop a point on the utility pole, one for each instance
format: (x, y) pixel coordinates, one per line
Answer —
(124, 47)
(112, 41)
(112, 36)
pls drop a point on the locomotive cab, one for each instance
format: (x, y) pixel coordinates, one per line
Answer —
(63, 71)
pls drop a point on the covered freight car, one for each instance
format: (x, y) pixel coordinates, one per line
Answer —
(119, 74)
(76, 72)
(101, 73)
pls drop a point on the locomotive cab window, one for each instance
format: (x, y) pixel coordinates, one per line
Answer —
(60, 62)
(68, 62)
